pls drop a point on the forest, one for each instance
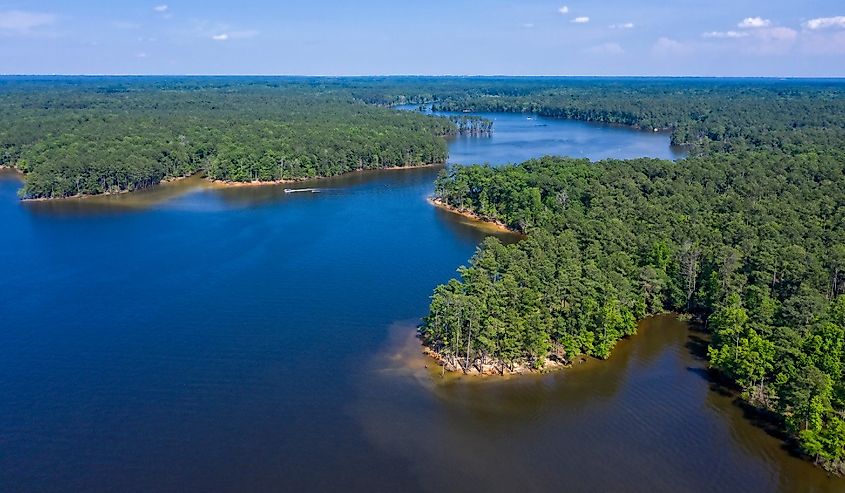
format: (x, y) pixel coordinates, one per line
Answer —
(703, 114)
(81, 136)
(472, 125)
(746, 235)
(91, 135)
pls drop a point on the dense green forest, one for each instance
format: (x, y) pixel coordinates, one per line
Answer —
(747, 234)
(715, 115)
(106, 135)
(90, 135)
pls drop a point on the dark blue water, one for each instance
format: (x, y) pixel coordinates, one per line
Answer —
(211, 340)
(191, 338)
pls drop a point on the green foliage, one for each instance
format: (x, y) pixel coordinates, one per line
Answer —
(109, 135)
(826, 444)
(707, 115)
(524, 298)
(748, 233)
(737, 349)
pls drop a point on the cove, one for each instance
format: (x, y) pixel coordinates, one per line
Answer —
(518, 137)
(188, 337)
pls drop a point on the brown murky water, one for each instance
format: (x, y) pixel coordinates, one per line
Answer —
(648, 419)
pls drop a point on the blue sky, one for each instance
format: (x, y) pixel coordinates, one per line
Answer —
(461, 37)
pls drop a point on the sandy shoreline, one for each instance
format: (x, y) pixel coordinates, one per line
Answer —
(218, 183)
(77, 196)
(260, 183)
(493, 368)
(10, 170)
(83, 196)
(498, 225)
(400, 168)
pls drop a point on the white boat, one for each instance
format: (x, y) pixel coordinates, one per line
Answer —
(296, 190)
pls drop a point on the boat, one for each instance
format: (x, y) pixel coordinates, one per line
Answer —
(297, 190)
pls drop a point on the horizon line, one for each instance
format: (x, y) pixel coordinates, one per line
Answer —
(327, 76)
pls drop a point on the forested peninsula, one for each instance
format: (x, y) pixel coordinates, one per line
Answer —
(747, 235)
(107, 135)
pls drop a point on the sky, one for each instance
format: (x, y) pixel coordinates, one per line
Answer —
(774, 38)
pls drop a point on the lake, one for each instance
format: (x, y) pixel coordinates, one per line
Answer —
(519, 137)
(196, 338)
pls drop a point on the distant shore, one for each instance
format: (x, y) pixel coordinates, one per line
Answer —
(82, 196)
(288, 181)
(217, 183)
(496, 224)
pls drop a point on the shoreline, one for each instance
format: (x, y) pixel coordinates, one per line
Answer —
(222, 184)
(495, 368)
(400, 168)
(85, 196)
(288, 181)
(8, 169)
(257, 183)
(552, 364)
(498, 225)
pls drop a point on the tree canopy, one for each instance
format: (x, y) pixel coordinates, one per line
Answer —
(106, 135)
(747, 234)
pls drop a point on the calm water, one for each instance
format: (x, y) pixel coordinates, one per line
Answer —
(191, 338)
(520, 137)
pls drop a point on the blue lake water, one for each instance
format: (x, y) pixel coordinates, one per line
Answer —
(244, 339)
(519, 137)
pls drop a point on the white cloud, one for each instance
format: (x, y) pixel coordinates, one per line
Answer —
(624, 25)
(759, 37)
(775, 40)
(825, 22)
(607, 49)
(581, 20)
(23, 22)
(141, 55)
(217, 31)
(528, 25)
(754, 22)
(771, 41)
(724, 34)
(563, 10)
(234, 35)
(161, 8)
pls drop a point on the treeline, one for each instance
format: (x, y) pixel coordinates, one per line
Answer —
(751, 240)
(89, 135)
(472, 125)
(110, 135)
(705, 115)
